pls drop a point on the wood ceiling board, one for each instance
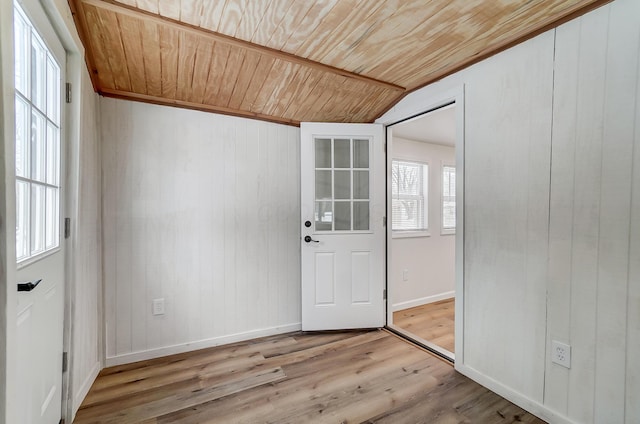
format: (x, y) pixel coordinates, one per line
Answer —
(179, 59)
(119, 8)
(188, 45)
(232, 70)
(302, 33)
(201, 68)
(231, 17)
(132, 45)
(523, 25)
(109, 27)
(216, 73)
(259, 78)
(249, 66)
(89, 28)
(152, 62)
(169, 41)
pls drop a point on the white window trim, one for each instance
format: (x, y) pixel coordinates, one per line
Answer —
(445, 231)
(399, 234)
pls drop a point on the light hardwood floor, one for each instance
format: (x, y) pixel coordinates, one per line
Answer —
(433, 322)
(353, 377)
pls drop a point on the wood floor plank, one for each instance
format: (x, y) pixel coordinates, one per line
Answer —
(371, 377)
(434, 322)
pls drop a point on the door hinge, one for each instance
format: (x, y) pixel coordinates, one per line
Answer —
(384, 294)
(384, 221)
(68, 92)
(67, 228)
(65, 361)
(385, 147)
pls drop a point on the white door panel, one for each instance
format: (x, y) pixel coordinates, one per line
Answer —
(40, 311)
(342, 244)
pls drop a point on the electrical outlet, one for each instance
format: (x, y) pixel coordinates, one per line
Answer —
(405, 275)
(561, 353)
(158, 306)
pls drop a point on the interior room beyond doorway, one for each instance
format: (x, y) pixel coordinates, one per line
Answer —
(423, 219)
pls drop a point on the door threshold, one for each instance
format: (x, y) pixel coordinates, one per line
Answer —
(425, 344)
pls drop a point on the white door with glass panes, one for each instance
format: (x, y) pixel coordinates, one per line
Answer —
(39, 72)
(342, 229)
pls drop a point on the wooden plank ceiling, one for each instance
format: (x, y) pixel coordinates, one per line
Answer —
(297, 60)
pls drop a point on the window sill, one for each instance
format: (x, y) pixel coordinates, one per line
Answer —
(409, 234)
(451, 232)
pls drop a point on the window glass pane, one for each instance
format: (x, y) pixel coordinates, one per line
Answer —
(22, 33)
(343, 215)
(52, 222)
(22, 219)
(360, 184)
(409, 196)
(323, 185)
(323, 152)
(53, 154)
(448, 197)
(38, 72)
(22, 138)
(37, 218)
(323, 216)
(342, 153)
(38, 147)
(343, 184)
(360, 153)
(409, 179)
(361, 216)
(53, 91)
(37, 135)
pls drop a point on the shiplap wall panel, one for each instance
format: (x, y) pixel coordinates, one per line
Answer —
(507, 152)
(623, 48)
(632, 406)
(201, 210)
(592, 91)
(86, 271)
(561, 200)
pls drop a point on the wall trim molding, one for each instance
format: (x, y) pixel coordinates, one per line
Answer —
(127, 358)
(83, 390)
(422, 301)
(524, 402)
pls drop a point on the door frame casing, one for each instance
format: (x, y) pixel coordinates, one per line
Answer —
(439, 100)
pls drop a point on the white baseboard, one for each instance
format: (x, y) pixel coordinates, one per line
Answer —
(82, 391)
(127, 358)
(422, 301)
(530, 405)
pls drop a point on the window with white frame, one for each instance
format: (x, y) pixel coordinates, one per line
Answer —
(448, 199)
(409, 196)
(37, 138)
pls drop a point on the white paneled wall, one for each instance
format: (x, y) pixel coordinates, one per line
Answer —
(200, 210)
(552, 217)
(507, 160)
(594, 279)
(85, 282)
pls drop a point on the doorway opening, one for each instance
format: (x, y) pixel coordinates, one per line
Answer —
(421, 239)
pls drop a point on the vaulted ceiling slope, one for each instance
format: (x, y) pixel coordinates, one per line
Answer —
(289, 61)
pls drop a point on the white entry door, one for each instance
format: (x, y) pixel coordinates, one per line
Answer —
(39, 76)
(343, 239)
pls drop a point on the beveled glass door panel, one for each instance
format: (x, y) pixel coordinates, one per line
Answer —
(342, 191)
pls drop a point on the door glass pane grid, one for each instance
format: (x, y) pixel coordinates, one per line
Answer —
(37, 134)
(341, 184)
